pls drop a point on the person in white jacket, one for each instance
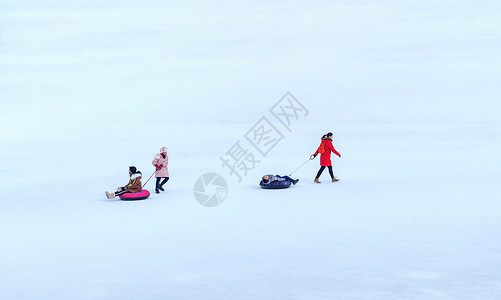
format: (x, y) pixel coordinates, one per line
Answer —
(160, 162)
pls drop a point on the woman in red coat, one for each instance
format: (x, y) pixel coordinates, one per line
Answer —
(325, 150)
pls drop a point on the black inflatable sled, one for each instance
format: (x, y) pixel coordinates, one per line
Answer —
(275, 185)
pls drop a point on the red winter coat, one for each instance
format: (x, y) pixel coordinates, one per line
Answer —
(325, 158)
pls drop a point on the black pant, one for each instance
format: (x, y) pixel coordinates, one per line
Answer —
(160, 185)
(286, 178)
(121, 192)
(322, 168)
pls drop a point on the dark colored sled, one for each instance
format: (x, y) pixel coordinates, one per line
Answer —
(277, 185)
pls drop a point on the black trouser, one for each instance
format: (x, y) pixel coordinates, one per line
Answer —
(121, 192)
(322, 168)
(160, 185)
(286, 178)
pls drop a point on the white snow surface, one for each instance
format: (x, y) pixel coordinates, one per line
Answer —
(409, 88)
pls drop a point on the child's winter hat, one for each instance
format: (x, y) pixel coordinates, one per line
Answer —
(164, 150)
(133, 169)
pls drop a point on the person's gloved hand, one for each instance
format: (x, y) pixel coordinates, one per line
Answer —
(339, 155)
(157, 167)
(313, 156)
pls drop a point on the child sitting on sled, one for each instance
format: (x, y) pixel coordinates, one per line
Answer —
(133, 186)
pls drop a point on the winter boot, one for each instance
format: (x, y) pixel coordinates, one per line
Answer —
(161, 188)
(316, 180)
(295, 181)
(334, 179)
(110, 195)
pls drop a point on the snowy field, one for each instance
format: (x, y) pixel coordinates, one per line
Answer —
(410, 90)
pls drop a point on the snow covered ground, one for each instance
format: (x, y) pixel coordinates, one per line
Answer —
(410, 91)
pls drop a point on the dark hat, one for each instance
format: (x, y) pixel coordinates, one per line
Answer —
(132, 169)
(329, 134)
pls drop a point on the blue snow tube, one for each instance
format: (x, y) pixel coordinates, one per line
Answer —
(275, 185)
